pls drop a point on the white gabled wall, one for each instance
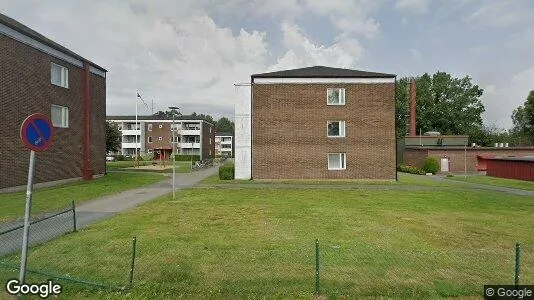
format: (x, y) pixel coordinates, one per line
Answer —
(243, 132)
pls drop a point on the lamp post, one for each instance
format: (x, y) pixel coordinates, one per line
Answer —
(172, 108)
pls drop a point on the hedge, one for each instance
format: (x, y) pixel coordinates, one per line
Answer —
(411, 169)
(184, 157)
(226, 172)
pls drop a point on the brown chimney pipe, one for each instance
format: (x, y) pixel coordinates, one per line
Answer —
(412, 108)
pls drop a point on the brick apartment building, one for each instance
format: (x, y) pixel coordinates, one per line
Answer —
(37, 75)
(154, 134)
(224, 144)
(316, 123)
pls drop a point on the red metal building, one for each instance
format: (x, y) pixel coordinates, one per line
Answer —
(511, 167)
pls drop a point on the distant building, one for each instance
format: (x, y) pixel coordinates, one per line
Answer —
(151, 134)
(316, 123)
(521, 168)
(224, 144)
(37, 75)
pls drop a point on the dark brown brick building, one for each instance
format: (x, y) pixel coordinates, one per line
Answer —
(38, 75)
(321, 123)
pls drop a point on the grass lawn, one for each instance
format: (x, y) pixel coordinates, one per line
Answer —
(50, 198)
(404, 179)
(251, 243)
(146, 166)
(483, 179)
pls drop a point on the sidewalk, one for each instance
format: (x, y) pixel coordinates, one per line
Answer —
(98, 210)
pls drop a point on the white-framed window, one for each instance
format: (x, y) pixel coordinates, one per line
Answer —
(335, 128)
(150, 139)
(160, 138)
(149, 127)
(160, 126)
(337, 161)
(210, 152)
(210, 129)
(335, 96)
(210, 141)
(59, 116)
(59, 75)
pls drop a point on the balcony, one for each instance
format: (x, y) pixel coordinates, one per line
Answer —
(226, 142)
(131, 145)
(188, 145)
(131, 132)
(188, 132)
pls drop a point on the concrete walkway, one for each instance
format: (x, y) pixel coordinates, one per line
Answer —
(99, 209)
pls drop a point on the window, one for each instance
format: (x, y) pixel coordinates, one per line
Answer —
(60, 116)
(149, 127)
(160, 126)
(59, 75)
(336, 161)
(335, 96)
(210, 129)
(335, 128)
(159, 138)
(210, 152)
(210, 141)
(150, 139)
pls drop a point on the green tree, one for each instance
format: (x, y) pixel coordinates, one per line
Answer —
(113, 137)
(523, 122)
(444, 103)
(167, 114)
(225, 125)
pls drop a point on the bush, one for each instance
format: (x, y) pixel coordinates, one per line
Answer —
(184, 157)
(226, 172)
(431, 165)
(411, 170)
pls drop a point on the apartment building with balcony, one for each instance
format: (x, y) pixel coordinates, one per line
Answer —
(38, 75)
(224, 144)
(150, 134)
(316, 123)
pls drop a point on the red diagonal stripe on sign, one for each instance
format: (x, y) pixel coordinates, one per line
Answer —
(32, 123)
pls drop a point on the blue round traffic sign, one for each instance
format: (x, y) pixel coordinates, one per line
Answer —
(36, 132)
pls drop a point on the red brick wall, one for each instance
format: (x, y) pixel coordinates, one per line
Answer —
(290, 132)
(208, 150)
(26, 89)
(414, 158)
(164, 132)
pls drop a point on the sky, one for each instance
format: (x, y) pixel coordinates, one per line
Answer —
(189, 53)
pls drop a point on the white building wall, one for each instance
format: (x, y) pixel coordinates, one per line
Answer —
(243, 132)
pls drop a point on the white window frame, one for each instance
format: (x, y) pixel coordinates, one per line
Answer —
(64, 75)
(342, 129)
(342, 161)
(341, 96)
(150, 139)
(64, 122)
(149, 127)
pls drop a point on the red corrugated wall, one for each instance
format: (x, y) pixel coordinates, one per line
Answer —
(512, 169)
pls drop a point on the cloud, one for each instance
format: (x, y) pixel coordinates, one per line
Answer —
(413, 6)
(416, 54)
(500, 13)
(303, 52)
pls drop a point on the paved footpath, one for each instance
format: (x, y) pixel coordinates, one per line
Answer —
(99, 209)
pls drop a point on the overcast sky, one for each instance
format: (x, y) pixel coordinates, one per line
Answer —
(190, 52)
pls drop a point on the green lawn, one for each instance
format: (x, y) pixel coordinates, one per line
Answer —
(511, 183)
(404, 179)
(254, 243)
(50, 198)
(181, 166)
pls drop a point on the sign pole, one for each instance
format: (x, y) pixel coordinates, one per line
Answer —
(27, 212)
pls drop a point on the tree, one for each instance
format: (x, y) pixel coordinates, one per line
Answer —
(523, 121)
(224, 125)
(444, 103)
(113, 137)
(167, 114)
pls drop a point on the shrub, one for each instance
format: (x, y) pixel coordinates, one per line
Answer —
(411, 169)
(185, 157)
(226, 172)
(431, 165)
(450, 175)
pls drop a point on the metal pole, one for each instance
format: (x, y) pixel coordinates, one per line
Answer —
(27, 211)
(73, 215)
(134, 244)
(173, 159)
(517, 263)
(136, 161)
(317, 283)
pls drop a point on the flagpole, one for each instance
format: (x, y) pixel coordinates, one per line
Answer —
(136, 126)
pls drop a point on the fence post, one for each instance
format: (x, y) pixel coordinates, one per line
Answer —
(73, 216)
(517, 263)
(134, 243)
(317, 284)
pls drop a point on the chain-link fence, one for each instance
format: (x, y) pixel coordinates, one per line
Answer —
(164, 267)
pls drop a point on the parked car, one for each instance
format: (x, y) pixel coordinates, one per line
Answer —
(110, 158)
